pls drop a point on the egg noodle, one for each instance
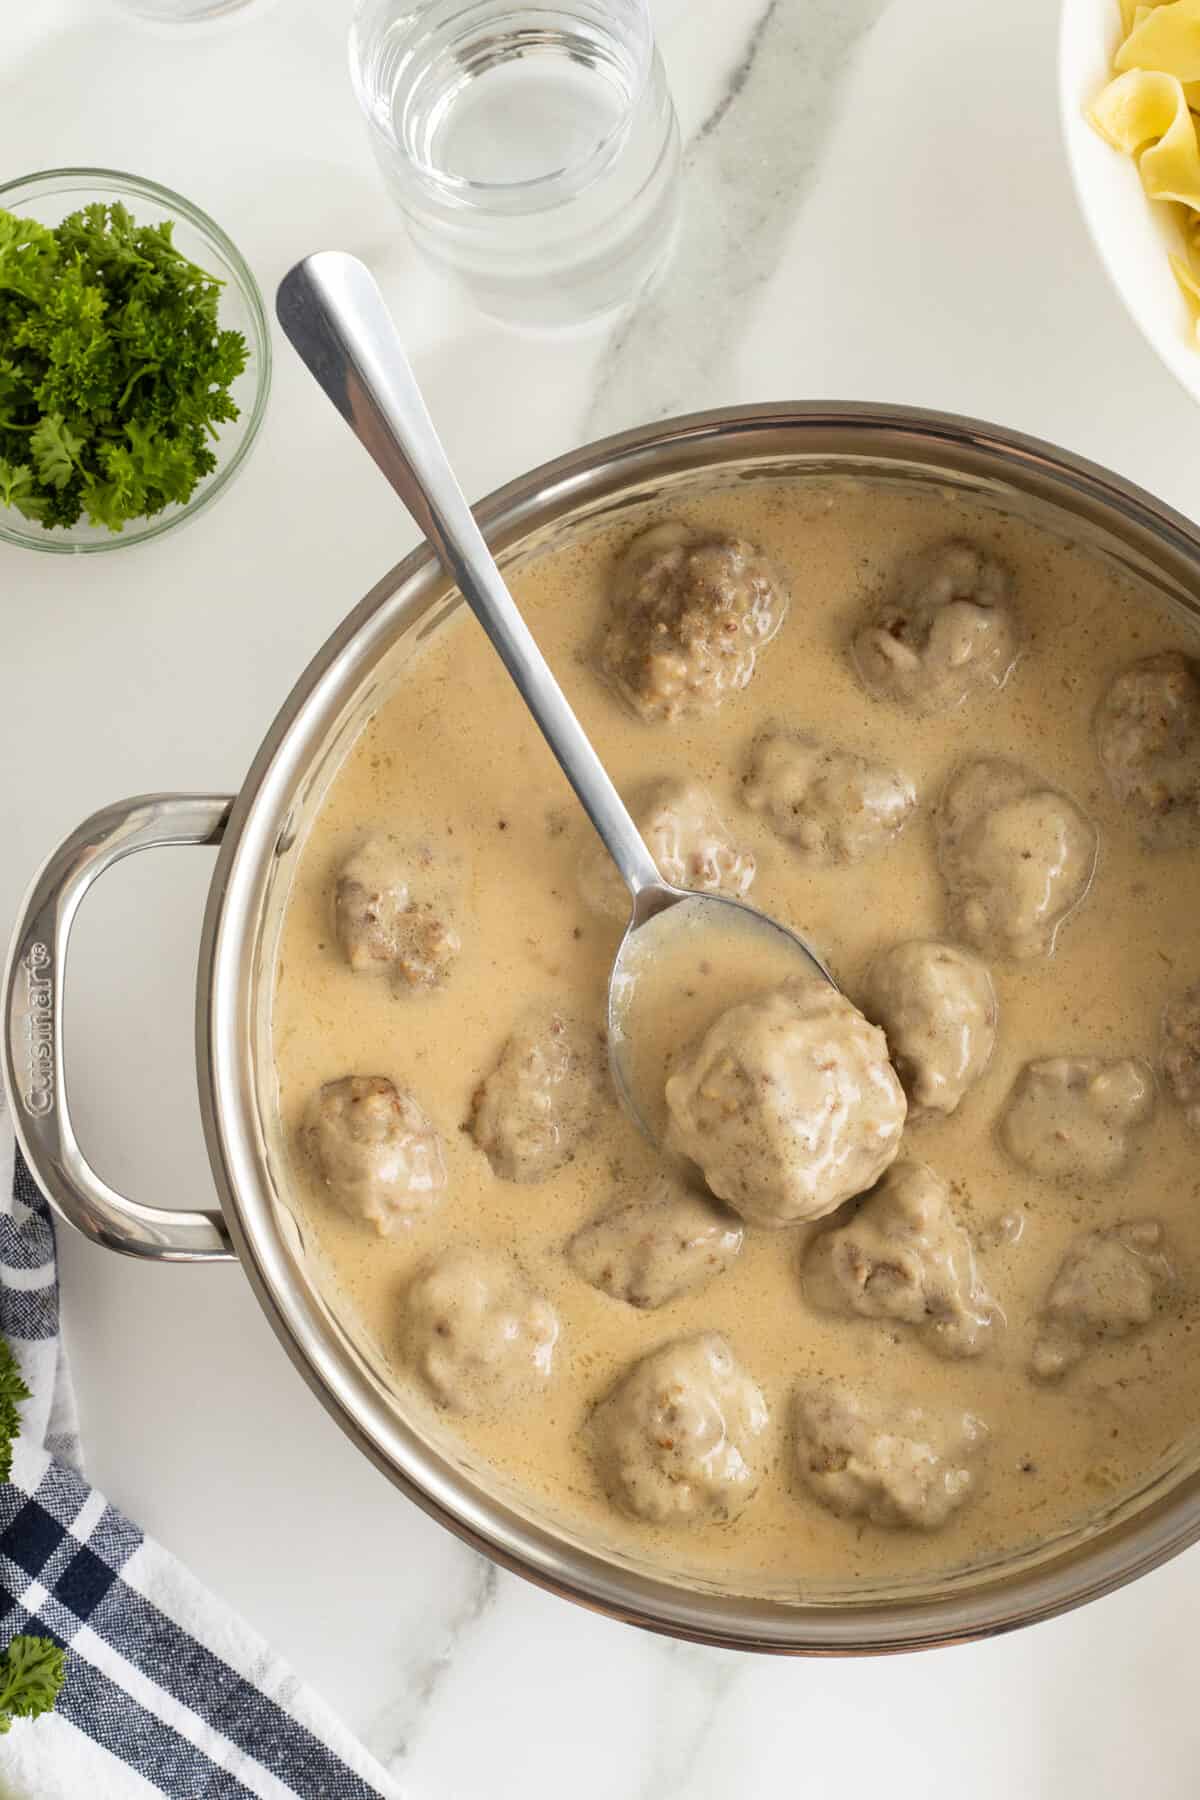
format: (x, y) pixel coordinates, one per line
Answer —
(1150, 112)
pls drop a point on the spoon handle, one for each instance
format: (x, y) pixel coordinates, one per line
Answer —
(336, 318)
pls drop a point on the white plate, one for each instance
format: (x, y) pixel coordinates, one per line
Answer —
(1133, 235)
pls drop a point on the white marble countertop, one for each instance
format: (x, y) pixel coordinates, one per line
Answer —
(879, 210)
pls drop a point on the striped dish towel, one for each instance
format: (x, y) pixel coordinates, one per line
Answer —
(167, 1692)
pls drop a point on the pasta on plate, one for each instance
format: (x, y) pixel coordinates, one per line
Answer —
(1149, 111)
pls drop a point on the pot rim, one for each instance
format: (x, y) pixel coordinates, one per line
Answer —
(998, 1602)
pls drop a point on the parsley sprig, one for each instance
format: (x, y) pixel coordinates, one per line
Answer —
(32, 1671)
(114, 371)
(12, 1392)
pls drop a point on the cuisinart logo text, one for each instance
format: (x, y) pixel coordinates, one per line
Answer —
(38, 1095)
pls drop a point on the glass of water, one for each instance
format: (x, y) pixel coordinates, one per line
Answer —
(533, 149)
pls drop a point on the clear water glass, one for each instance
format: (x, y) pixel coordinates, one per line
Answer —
(534, 150)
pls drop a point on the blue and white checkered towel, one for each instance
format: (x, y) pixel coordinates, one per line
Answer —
(166, 1691)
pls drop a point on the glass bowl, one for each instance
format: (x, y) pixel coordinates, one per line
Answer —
(49, 197)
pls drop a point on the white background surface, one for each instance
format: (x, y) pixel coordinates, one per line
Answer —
(881, 213)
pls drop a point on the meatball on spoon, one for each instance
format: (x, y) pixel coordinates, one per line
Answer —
(335, 317)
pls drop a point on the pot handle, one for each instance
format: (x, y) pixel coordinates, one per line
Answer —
(33, 1039)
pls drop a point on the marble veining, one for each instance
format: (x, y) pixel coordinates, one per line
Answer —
(391, 1733)
(690, 1707)
(741, 73)
(748, 169)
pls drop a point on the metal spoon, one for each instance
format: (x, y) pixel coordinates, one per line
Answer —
(335, 316)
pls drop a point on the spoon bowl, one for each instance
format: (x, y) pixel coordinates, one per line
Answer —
(677, 944)
(335, 317)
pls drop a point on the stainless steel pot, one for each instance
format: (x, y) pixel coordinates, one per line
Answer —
(259, 831)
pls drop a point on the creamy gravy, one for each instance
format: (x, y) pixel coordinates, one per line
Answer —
(452, 760)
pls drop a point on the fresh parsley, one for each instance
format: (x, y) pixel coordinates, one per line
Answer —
(12, 1392)
(32, 1671)
(114, 371)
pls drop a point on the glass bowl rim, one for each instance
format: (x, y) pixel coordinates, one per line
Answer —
(72, 177)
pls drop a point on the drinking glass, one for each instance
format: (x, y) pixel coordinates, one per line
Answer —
(533, 149)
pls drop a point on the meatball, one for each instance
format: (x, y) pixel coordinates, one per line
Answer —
(542, 1098)
(476, 1333)
(375, 1151)
(937, 1008)
(1069, 1118)
(1181, 1051)
(1017, 857)
(1107, 1287)
(788, 1104)
(904, 1257)
(832, 806)
(384, 926)
(945, 631)
(888, 1462)
(1148, 736)
(688, 840)
(652, 1250)
(677, 1440)
(691, 610)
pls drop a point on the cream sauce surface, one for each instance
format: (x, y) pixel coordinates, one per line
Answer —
(452, 760)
